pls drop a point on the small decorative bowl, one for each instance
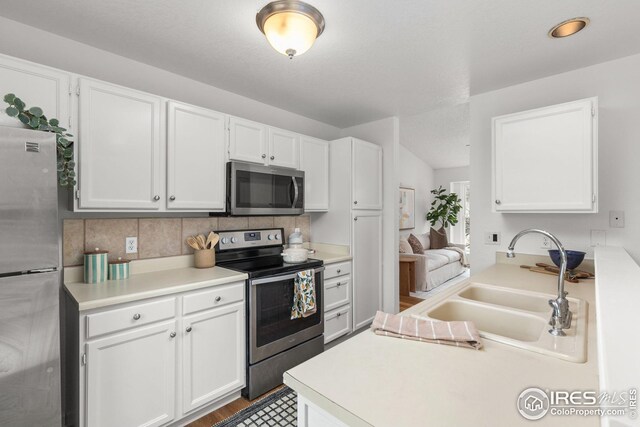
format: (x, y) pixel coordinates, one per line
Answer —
(574, 258)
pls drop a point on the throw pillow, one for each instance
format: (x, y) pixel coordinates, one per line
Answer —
(424, 240)
(438, 238)
(415, 244)
(405, 247)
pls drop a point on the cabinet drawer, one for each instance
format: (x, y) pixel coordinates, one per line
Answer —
(130, 317)
(337, 269)
(215, 297)
(337, 323)
(337, 292)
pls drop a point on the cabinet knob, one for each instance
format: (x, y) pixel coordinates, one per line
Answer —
(172, 335)
(136, 316)
(355, 202)
(498, 202)
(339, 314)
(355, 218)
(218, 299)
(156, 198)
(188, 329)
(339, 284)
(264, 156)
(172, 198)
(272, 157)
(338, 271)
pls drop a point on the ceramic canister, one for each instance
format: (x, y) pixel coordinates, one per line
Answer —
(95, 266)
(119, 269)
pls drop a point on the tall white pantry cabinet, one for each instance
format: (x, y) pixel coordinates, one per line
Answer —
(355, 219)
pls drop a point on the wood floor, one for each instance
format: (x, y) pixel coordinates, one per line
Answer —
(408, 301)
(228, 410)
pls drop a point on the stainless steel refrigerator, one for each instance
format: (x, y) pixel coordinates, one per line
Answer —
(29, 280)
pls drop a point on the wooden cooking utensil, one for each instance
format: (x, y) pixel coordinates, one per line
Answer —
(544, 271)
(214, 240)
(201, 241)
(193, 243)
(208, 242)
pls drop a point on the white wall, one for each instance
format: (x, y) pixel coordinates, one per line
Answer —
(386, 133)
(415, 173)
(617, 85)
(444, 177)
(45, 48)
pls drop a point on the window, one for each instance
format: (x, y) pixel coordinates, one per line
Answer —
(460, 232)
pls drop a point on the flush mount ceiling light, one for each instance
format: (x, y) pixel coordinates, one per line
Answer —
(568, 28)
(290, 26)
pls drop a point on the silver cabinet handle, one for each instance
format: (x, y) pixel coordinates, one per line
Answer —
(272, 157)
(355, 202)
(339, 314)
(218, 299)
(339, 284)
(498, 202)
(355, 218)
(338, 271)
(136, 316)
(172, 335)
(264, 156)
(172, 198)
(156, 198)
(188, 329)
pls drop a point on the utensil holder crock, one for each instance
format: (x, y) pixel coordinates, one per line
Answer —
(204, 258)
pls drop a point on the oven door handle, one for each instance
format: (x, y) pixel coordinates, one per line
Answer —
(283, 277)
(295, 192)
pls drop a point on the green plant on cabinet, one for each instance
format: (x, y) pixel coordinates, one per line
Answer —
(34, 118)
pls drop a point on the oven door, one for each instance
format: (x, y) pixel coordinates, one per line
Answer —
(264, 190)
(271, 329)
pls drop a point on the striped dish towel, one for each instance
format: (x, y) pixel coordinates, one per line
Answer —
(460, 334)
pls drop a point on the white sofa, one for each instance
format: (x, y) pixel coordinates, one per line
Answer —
(435, 266)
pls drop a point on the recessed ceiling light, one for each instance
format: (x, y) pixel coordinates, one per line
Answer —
(568, 28)
(291, 26)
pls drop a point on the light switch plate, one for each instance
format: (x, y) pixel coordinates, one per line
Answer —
(616, 219)
(492, 238)
(131, 245)
(598, 238)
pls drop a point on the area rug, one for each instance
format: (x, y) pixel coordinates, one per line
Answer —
(276, 410)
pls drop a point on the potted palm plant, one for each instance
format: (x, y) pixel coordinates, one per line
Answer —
(444, 211)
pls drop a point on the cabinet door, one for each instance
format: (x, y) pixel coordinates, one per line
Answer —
(119, 145)
(213, 354)
(195, 158)
(37, 86)
(283, 148)
(545, 160)
(367, 175)
(130, 378)
(314, 161)
(247, 141)
(367, 266)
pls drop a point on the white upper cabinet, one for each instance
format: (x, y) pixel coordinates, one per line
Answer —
(283, 148)
(37, 86)
(196, 140)
(367, 175)
(119, 148)
(247, 141)
(545, 160)
(314, 161)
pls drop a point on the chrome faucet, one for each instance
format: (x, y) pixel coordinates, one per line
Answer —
(561, 315)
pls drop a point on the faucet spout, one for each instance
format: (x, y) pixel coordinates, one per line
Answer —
(561, 316)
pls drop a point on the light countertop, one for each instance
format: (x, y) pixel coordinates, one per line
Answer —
(149, 285)
(330, 257)
(372, 380)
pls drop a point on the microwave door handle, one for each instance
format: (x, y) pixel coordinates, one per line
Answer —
(295, 192)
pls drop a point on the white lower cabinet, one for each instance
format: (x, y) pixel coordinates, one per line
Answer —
(310, 415)
(131, 377)
(367, 266)
(337, 300)
(213, 354)
(156, 362)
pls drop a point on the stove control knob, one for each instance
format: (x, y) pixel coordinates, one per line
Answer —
(234, 240)
(277, 237)
(270, 237)
(224, 240)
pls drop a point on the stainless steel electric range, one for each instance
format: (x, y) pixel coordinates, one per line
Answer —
(275, 343)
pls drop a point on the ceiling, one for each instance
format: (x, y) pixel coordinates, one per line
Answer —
(376, 58)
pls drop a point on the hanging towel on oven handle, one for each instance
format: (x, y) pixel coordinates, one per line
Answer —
(304, 295)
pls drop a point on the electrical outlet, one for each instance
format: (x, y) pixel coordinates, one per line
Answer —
(616, 219)
(131, 245)
(546, 242)
(492, 238)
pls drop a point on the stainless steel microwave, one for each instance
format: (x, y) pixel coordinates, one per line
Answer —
(264, 190)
